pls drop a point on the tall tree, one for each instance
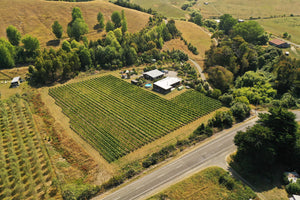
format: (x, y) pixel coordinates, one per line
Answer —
(250, 31)
(77, 27)
(57, 29)
(7, 53)
(226, 23)
(100, 20)
(31, 44)
(116, 19)
(13, 35)
(109, 26)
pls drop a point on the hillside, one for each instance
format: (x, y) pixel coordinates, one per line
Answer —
(35, 17)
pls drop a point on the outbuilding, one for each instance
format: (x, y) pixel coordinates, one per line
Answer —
(165, 85)
(153, 74)
(279, 43)
(15, 82)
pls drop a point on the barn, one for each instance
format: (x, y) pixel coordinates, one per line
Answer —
(15, 82)
(165, 85)
(279, 43)
(153, 74)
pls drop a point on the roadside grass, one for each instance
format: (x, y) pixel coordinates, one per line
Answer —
(278, 26)
(167, 8)
(246, 9)
(205, 185)
(35, 17)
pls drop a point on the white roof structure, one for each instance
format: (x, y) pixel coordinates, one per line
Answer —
(16, 79)
(167, 83)
(295, 197)
(154, 73)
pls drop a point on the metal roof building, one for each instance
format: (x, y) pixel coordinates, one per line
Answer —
(165, 85)
(153, 74)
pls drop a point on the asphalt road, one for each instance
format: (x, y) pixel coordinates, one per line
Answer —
(208, 154)
(211, 153)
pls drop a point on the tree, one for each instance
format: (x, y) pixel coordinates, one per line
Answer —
(255, 150)
(220, 77)
(57, 29)
(283, 124)
(226, 23)
(240, 111)
(85, 58)
(109, 26)
(198, 19)
(76, 14)
(13, 35)
(77, 29)
(7, 53)
(31, 44)
(116, 19)
(124, 25)
(251, 31)
(100, 20)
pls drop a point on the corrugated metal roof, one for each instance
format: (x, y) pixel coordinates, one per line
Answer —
(167, 83)
(154, 73)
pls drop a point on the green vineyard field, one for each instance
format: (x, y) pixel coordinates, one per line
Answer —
(116, 117)
(25, 168)
(197, 101)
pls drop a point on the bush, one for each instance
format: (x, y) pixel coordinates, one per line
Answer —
(293, 188)
(227, 181)
(113, 182)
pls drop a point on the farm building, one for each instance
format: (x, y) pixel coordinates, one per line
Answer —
(153, 74)
(279, 43)
(165, 85)
(135, 82)
(15, 82)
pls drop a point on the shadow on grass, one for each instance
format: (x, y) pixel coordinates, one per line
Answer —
(98, 28)
(260, 182)
(54, 43)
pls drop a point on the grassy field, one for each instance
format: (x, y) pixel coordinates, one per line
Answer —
(168, 8)
(25, 168)
(193, 34)
(35, 17)
(109, 106)
(245, 9)
(206, 185)
(278, 26)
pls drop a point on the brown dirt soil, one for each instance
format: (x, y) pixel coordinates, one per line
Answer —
(35, 17)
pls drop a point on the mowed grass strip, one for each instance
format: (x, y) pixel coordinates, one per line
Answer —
(116, 117)
(206, 185)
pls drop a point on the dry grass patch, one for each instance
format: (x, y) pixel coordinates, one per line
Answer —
(195, 35)
(206, 185)
(35, 17)
(245, 9)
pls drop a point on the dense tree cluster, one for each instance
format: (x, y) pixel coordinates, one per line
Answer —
(269, 142)
(77, 27)
(119, 48)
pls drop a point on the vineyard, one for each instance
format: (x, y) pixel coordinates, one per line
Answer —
(116, 117)
(197, 101)
(25, 168)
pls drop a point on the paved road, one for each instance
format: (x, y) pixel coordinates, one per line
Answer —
(211, 153)
(203, 156)
(199, 69)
